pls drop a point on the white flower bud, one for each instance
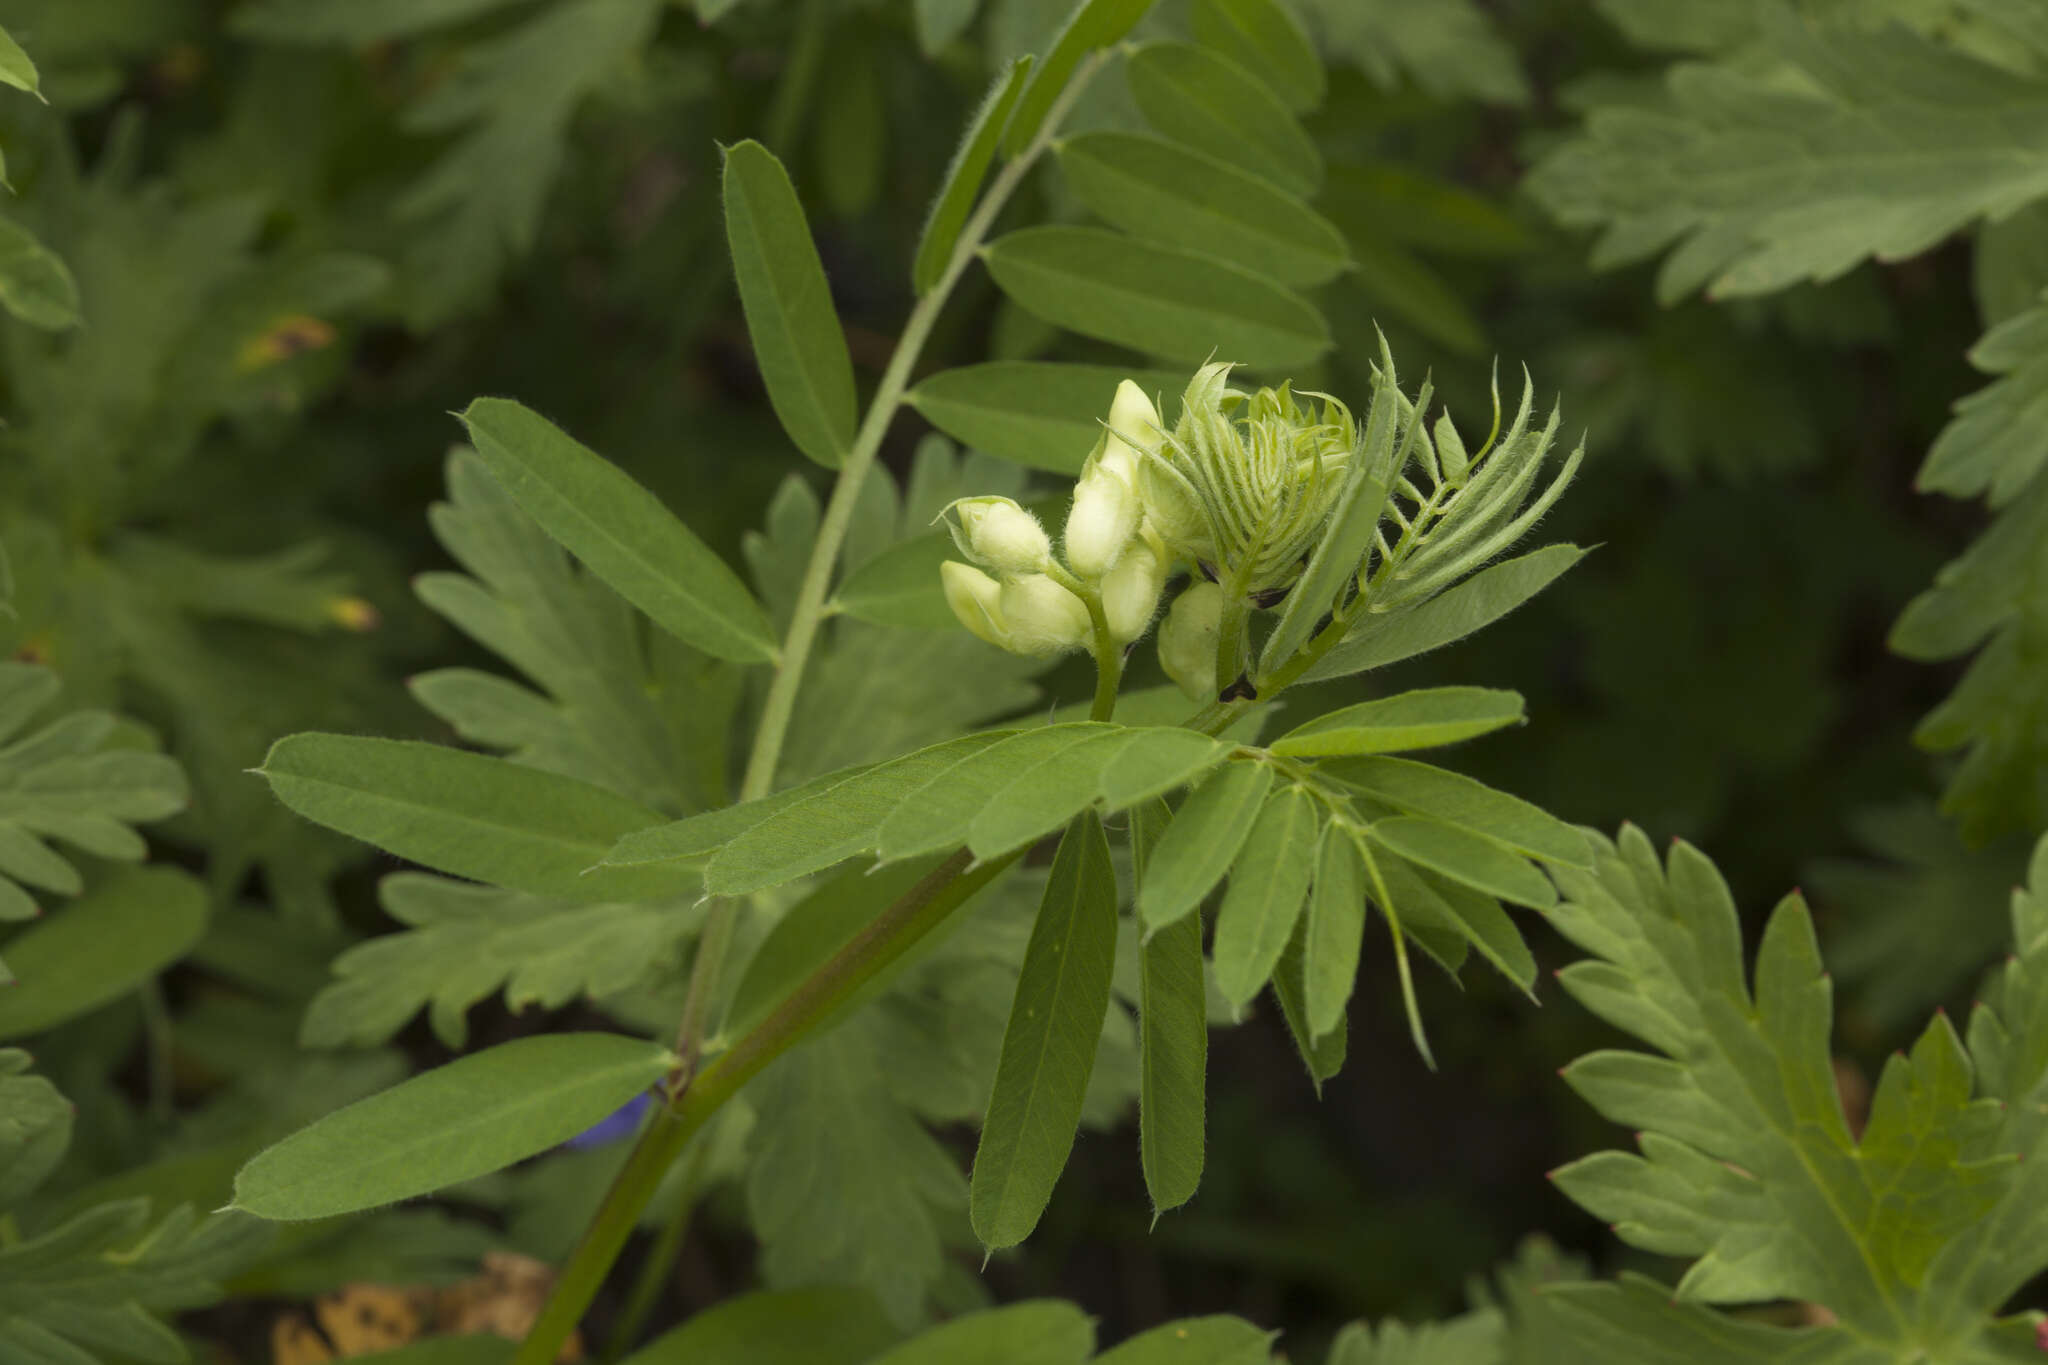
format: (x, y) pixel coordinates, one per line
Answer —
(1041, 617)
(1187, 642)
(1103, 520)
(998, 534)
(1134, 427)
(976, 599)
(1130, 591)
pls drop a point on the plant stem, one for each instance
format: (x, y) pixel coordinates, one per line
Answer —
(1109, 661)
(660, 1264)
(691, 1096)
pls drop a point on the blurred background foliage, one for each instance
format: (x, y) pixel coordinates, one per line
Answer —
(301, 232)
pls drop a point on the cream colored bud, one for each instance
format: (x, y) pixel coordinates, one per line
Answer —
(998, 534)
(1130, 592)
(1187, 642)
(1101, 523)
(1134, 428)
(976, 599)
(1041, 617)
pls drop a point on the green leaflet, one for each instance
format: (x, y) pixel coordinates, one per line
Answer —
(1268, 881)
(1049, 1043)
(695, 839)
(1093, 24)
(1165, 192)
(473, 1116)
(1207, 101)
(1201, 842)
(1423, 789)
(620, 531)
(1420, 211)
(1160, 300)
(1424, 719)
(1035, 1332)
(848, 150)
(131, 924)
(797, 338)
(1479, 601)
(1265, 40)
(939, 22)
(37, 1131)
(821, 1326)
(35, 284)
(1322, 1053)
(1217, 1340)
(963, 177)
(838, 822)
(15, 67)
(1427, 901)
(469, 815)
(1465, 857)
(1043, 415)
(1120, 769)
(1173, 1038)
(1450, 49)
(1334, 932)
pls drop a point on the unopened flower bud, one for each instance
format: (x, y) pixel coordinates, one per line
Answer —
(998, 534)
(1134, 427)
(1187, 642)
(1130, 591)
(976, 599)
(1103, 520)
(1041, 617)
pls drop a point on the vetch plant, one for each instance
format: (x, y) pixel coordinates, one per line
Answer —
(1321, 544)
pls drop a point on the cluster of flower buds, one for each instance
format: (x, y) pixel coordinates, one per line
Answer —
(1012, 592)
(1239, 491)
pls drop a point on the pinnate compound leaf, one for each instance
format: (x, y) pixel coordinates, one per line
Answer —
(797, 339)
(467, 941)
(1044, 415)
(469, 815)
(1217, 1340)
(1093, 24)
(1173, 1038)
(1910, 1237)
(1854, 143)
(1268, 882)
(90, 1287)
(1049, 1043)
(963, 177)
(1035, 1332)
(1992, 594)
(1430, 905)
(74, 777)
(1207, 101)
(620, 531)
(845, 1186)
(1266, 40)
(1422, 789)
(1424, 719)
(822, 1326)
(132, 923)
(1479, 601)
(475, 1115)
(1164, 192)
(1171, 303)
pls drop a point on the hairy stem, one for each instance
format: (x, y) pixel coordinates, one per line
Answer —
(691, 1097)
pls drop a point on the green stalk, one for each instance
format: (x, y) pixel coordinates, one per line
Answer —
(691, 1096)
